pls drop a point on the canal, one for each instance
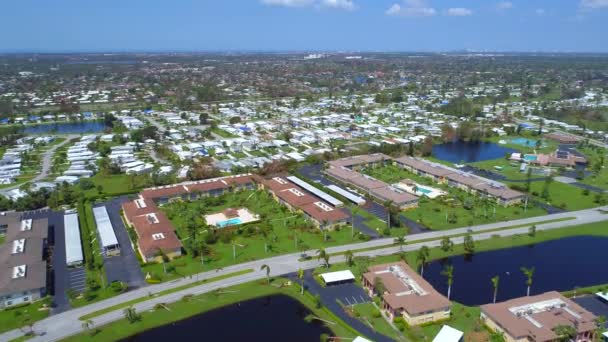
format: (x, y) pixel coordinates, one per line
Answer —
(560, 265)
(274, 318)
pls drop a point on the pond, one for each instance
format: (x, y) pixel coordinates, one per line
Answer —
(274, 318)
(469, 152)
(66, 128)
(560, 265)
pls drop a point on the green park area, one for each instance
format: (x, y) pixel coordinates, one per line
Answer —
(456, 209)
(279, 231)
(191, 305)
(24, 316)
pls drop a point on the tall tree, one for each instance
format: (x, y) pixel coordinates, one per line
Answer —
(422, 256)
(267, 269)
(448, 272)
(322, 254)
(400, 240)
(529, 273)
(348, 255)
(495, 281)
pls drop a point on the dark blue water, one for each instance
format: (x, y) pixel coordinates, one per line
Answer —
(561, 265)
(274, 318)
(66, 128)
(469, 152)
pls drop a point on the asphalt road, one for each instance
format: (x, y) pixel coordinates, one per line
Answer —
(47, 162)
(65, 324)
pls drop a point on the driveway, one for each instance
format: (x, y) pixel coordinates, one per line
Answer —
(124, 267)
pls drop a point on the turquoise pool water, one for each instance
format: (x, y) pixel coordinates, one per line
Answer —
(231, 222)
(524, 142)
(529, 157)
(424, 191)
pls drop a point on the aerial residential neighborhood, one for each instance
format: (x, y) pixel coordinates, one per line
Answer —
(304, 170)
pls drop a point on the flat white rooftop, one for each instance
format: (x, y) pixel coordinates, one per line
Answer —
(448, 334)
(333, 277)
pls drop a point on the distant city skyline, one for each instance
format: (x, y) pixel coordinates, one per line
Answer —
(304, 25)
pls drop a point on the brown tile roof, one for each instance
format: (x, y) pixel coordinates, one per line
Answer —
(435, 170)
(295, 196)
(131, 208)
(145, 227)
(416, 296)
(524, 326)
(321, 215)
(342, 173)
(388, 193)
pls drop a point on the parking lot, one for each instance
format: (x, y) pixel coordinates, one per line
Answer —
(77, 279)
(124, 267)
(593, 304)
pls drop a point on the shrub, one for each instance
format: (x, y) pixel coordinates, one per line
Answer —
(376, 313)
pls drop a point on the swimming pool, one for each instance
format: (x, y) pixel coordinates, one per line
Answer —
(424, 191)
(524, 142)
(530, 157)
(231, 222)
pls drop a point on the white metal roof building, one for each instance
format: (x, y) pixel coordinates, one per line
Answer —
(448, 334)
(321, 194)
(73, 244)
(337, 277)
(105, 230)
(347, 194)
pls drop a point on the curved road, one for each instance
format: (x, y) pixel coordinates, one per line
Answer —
(47, 162)
(65, 324)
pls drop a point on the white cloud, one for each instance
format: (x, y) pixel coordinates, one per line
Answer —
(412, 8)
(348, 5)
(594, 4)
(504, 5)
(458, 12)
(288, 3)
(540, 11)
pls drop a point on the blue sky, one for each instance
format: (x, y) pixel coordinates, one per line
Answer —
(304, 25)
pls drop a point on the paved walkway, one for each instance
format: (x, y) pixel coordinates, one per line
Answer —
(67, 323)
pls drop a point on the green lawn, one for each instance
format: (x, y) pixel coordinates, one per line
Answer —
(113, 184)
(432, 212)
(18, 317)
(209, 301)
(282, 228)
(370, 316)
(222, 133)
(162, 293)
(564, 196)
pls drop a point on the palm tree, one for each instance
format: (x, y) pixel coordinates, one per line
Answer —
(565, 333)
(388, 205)
(348, 255)
(448, 272)
(130, 314)
(322, 254)
(529, 273)
(163, 257)
(495, 281)
(267, 268)
(301, 277)
(87, 325)
(400, 240)
(422, 256)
